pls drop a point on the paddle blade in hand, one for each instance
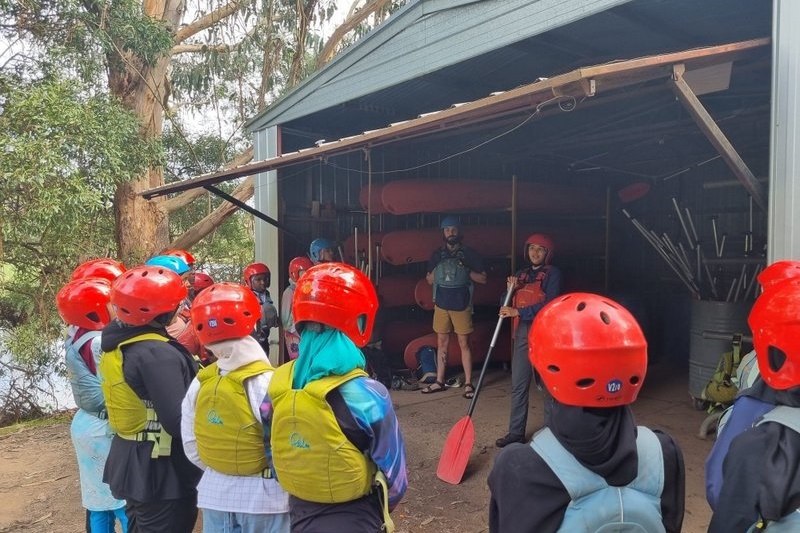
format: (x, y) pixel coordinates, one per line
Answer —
(456, 452)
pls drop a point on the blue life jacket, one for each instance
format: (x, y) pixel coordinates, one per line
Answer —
(85, 386)
(597, 507)
(789, 417)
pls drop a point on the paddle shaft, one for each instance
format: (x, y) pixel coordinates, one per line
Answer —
(509, 291)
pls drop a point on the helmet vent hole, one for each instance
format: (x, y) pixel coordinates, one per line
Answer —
(93, 316)
(634, 380)
(605, 318)
(584, 383)
(581, 306)
(247, 313)
(228, 320)
(199, 327)
(776, 358)
(144, 309)
(361, 321)
(553, 369)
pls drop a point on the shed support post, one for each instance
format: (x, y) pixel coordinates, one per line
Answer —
(716, 137)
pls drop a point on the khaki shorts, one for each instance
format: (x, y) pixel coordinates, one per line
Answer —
(445, 321)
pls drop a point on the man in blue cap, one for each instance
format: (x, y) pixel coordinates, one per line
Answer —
(452, 270)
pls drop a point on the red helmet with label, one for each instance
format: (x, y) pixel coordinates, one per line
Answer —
(252, 269)
(183, 254)
(775, 323)
(340, 296)
(146, 292)
(589, 350)
(778, 272)
(84, 303)
(225, 311)
(297, 265)
(99, 268)
(540, 239)
(201, 281)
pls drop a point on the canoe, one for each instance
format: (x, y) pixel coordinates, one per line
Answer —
(479, 342)
(488, 293)
(348, 246)
(377, 207)
(416, 246)
(404, 197)
(396, 291)
(397, 334)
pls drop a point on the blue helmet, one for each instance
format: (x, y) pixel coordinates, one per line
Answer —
(317, 245)
(450, 222)
(171, 262)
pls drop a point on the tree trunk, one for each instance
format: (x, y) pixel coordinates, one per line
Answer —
(142, 227)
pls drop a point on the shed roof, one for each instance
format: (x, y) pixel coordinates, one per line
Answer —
(435, 52)
(590, 82)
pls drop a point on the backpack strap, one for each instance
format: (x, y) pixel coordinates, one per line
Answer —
(785, 415)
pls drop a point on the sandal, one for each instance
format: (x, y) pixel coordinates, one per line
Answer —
(469, 391)
(436, 386)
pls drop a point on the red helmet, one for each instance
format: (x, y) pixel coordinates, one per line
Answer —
(99, 268)
(337, 295)
(201, 281)
(252, 269)
(297, 265)
(589, 350)
(225, 311)
(183, 254)
(84, 303)
(146, 292)
(778, 272)
(540, 239)
(775, 323)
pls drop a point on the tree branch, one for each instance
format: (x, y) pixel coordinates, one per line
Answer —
(184, 199)
(329, 50)
(198, 47)
(197, 232)
(209, 20)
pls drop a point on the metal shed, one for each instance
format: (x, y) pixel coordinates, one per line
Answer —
(708, 148)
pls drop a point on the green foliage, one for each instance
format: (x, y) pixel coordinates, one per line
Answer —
(63, 155)
(225, 252)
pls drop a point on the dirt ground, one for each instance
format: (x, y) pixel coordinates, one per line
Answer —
(40, 492)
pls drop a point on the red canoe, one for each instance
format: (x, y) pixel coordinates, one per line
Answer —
(415, 246)
(377, 207)
(489, 293)
(348, 247)
(479, 342)
(397, 334)
(395, 291)
(403, 197)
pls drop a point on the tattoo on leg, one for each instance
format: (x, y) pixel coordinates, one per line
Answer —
(443, 358)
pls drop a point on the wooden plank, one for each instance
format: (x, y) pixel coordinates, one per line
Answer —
(717, 138)
(521, 99)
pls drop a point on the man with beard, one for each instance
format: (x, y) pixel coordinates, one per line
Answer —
(452, 270)
(591, 468)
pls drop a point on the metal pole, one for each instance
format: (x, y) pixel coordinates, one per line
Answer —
(683, 224)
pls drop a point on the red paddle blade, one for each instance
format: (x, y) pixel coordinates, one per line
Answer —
(456, 452)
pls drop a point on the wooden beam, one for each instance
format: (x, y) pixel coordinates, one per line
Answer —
(717, 138)
(522, 99)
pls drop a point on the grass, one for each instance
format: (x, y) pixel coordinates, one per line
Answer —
(60, 417)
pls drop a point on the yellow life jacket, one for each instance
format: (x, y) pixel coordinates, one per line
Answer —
(229, 437)
(312, 457)
(129, 416)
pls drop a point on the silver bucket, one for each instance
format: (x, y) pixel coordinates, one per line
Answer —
(713, 317)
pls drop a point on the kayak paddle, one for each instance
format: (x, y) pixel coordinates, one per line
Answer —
(458, 446)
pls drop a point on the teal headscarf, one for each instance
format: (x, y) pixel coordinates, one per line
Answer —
(326, 353)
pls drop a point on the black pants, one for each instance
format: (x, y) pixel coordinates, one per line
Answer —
(358, 516)
(167, 516)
